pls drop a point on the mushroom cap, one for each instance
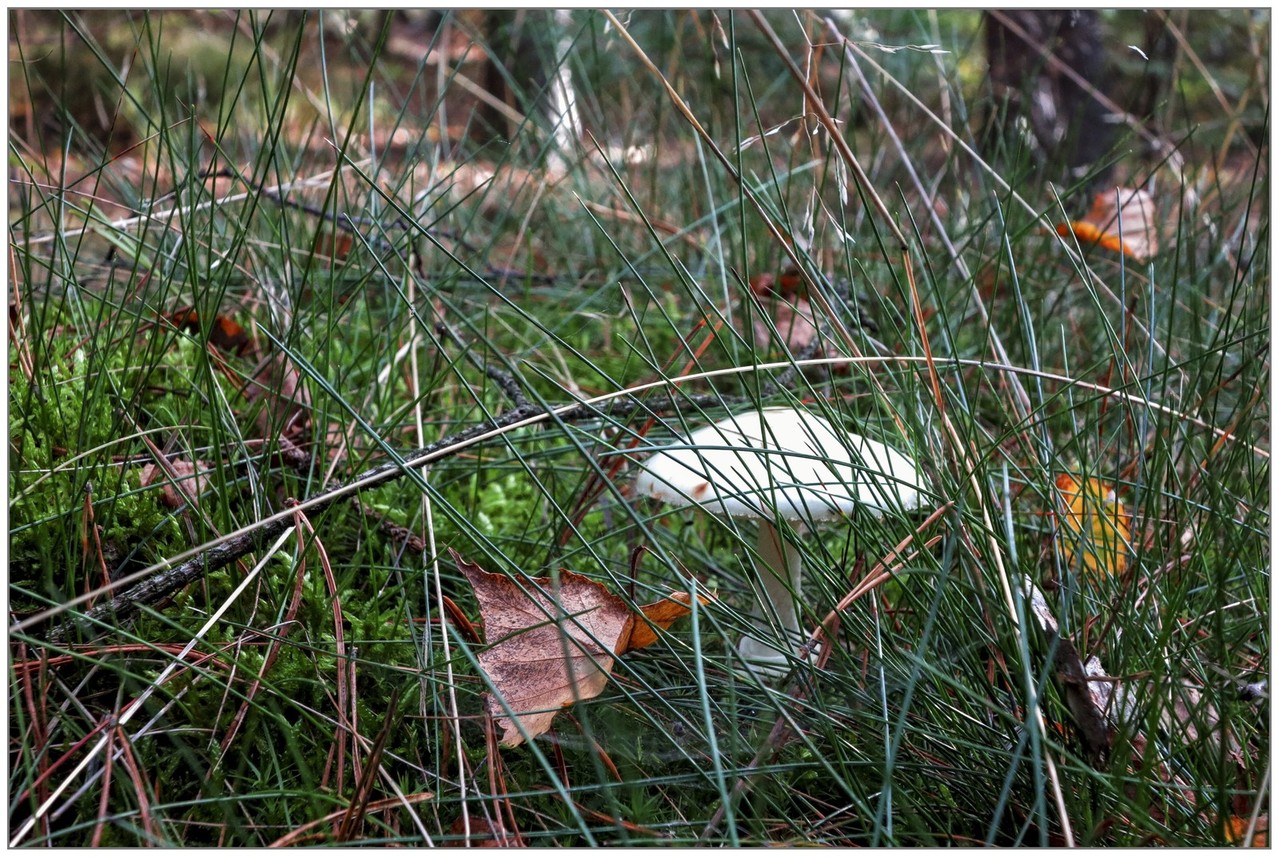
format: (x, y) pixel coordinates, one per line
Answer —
(781, 462)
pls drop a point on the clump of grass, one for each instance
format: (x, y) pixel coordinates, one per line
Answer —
(320, 688)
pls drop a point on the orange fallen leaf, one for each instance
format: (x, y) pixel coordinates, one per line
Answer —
(333, 246)
(662, 614)
(788, 284)
(1237, 829)
(1096, 527)
(224, 333)
(1121, 220)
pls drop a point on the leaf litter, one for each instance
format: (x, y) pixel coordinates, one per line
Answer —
(1121, 220)
(553, 641)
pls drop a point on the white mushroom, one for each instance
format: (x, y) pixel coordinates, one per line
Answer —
(773, 464)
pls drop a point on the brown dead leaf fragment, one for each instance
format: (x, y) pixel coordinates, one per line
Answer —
(190, 479)
(794, 325)
(550, 644)
(285, 402)
(333, 246)
(785, 300)
(1237, 827)
(1084, 684)
(484, 833)
(1085, 699)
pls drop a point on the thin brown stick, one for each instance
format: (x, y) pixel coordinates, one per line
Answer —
(356, 812)
(89, 532)
(39, 728)
(273, 650)
(140, 784)
(104, 796)
(353, 702)
(343, 661)
(82, 653)
(297, 836)
(823, 115)
(17, 329)
(160, 585)
(882, 572)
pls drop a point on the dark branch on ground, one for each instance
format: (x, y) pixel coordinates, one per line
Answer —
(126, 606)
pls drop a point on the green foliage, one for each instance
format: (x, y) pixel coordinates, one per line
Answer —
(49, 485)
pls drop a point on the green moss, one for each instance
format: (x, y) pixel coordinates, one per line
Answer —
(72, 452)
(49, 420)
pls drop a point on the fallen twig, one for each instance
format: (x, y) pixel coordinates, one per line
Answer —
(126, 606)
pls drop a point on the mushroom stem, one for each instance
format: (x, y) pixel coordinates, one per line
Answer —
(778, 566)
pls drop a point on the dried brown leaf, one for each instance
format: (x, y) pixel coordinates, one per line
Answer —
(785, 299)
(1086, 698)
(225, 333)
(794, 323)
(333, 246)
(285, 403)
(484, 833)
(551, 643)
(1084, 684)
(180, 476)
